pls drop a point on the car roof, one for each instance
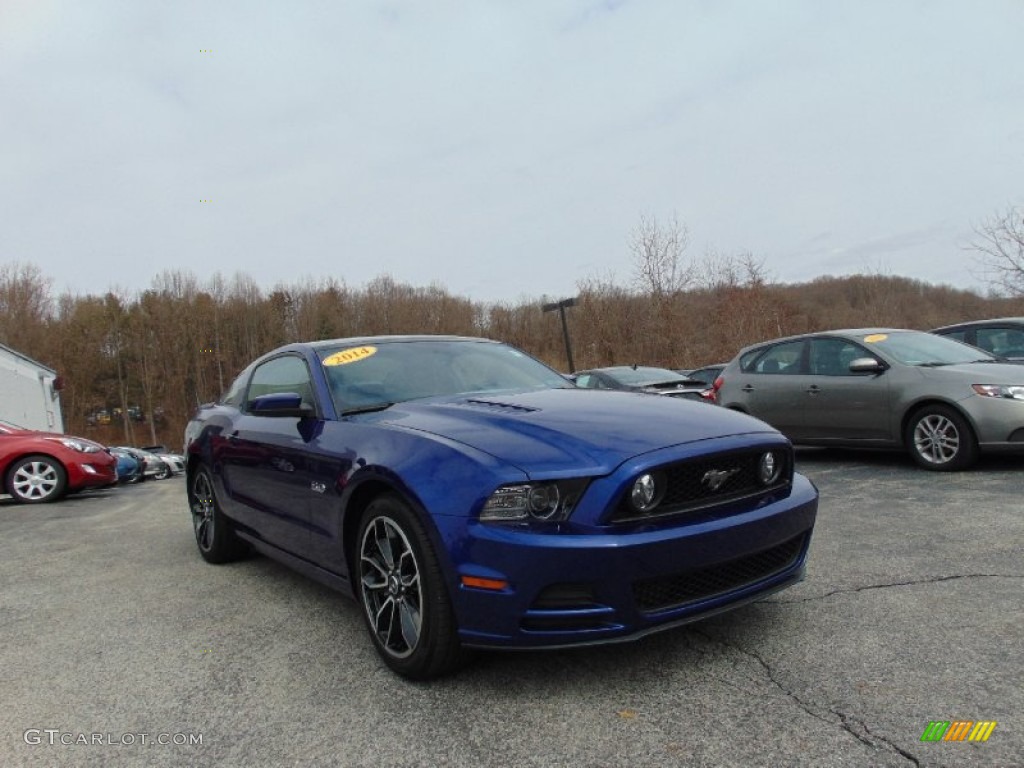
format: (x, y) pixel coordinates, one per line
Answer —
(370, 340)
(977, 323)
(836, 332)
(616, 368)
(356, 341)
(391, 339)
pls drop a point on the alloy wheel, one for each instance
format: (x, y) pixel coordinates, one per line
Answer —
(936, 439)
(203, 510)
(390, 579)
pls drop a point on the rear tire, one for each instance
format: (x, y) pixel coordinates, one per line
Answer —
(401, 587)
(940, 439)
(214, 533)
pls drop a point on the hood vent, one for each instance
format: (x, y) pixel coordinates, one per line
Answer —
(490, 405)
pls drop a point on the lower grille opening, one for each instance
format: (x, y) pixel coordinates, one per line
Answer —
(566, 608)
(677, 590)
(565, 596)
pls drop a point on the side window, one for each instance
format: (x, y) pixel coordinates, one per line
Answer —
(957, 335)
(1008, 342)
(748, 359)
(782, 358)
(585, 380)
(283, 374)
(832, 357)
(236, 392)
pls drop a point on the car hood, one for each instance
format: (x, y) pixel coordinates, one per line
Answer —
(979, 373)
(570, 430)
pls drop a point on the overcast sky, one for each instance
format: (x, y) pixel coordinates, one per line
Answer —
(504, 149)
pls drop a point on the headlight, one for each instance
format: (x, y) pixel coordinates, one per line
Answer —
(552, 501)
(75, 444)
(1008, 391)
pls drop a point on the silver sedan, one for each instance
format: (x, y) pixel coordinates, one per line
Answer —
(942, 401)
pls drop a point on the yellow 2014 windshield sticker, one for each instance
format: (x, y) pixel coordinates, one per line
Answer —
(874, 337)
(353, 355)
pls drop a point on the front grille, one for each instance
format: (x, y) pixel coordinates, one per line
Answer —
(708, 481)
(675, 591)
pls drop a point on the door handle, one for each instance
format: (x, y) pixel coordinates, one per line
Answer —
(747, 388)
(813, 389)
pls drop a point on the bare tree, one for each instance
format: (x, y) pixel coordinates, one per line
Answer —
(1000, 248)
(658, 256)
(25, 306)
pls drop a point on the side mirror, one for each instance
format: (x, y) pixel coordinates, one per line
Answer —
(867, 365)
(283, 404)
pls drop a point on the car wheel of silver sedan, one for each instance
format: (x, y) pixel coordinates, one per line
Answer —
(37, 480)
(215, 537)
(401, 587)
(939, 438)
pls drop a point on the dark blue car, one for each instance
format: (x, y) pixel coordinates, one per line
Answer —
(469, 496)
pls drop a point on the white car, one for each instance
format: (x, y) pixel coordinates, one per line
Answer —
(175, 461)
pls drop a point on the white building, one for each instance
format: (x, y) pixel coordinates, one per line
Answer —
(29, 393)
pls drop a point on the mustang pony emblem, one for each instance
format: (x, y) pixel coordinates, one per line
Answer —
(715, 478)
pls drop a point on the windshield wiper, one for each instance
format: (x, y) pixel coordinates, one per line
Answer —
(932, 364)
(366, 409)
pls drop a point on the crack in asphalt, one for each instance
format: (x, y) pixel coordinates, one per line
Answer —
(914, 582)
(844, 719)
(845, 722)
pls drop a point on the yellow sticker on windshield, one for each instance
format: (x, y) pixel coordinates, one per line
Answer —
(353, 355)
(875, 337)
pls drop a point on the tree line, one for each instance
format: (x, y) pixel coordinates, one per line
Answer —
(151, 356)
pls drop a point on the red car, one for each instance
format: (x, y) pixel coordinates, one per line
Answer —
(40, 466)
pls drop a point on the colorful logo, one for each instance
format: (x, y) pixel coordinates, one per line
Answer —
(958, 730)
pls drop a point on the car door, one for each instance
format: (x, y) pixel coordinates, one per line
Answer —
(842, 405)
(772, 387)
(266, 459)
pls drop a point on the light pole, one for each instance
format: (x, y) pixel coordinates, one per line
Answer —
(560, 306)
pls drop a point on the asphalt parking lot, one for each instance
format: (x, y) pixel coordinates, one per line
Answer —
(115, 632)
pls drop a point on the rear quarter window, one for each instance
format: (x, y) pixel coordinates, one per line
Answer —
(748, 359)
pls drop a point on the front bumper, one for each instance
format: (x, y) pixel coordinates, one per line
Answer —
(998, 423)
(91, 474)
(568, 590)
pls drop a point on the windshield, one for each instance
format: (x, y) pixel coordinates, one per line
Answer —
(918, 348)
(643, 376)
(365, 377)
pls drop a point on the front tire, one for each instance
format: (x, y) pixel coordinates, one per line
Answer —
(215, 536)
(37, 480)
(401, 587)
(940, 439)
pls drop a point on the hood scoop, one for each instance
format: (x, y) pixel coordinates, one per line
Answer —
(497, 407)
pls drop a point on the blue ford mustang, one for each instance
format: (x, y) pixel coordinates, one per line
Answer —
(468, 496)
